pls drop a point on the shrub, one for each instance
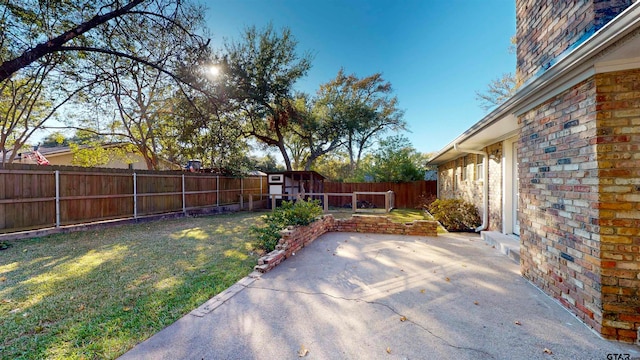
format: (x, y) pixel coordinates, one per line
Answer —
(301, 213)
(424, 200)
(455, 214)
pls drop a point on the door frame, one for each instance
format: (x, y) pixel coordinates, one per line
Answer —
(510, 186)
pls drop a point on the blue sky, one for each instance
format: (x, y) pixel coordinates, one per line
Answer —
(436, 54)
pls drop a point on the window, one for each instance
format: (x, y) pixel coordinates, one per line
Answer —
(465, 164)
(479, 168)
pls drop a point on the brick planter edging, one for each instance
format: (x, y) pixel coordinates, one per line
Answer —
(295, 238)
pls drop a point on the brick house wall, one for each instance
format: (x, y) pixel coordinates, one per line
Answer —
(560, 247)
(495, 186)
(580, 182)
(547, 28)
(579, 154)
(469, 187)
(618, 153)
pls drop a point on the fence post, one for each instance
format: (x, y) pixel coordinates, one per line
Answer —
(241, 193)
(184, 205)
(354, 202)
(250, 202)
(261, 187)
(135, 197)
(326, 202)
(273, 202)
(57, 176)
(217, 191)
(387, 201)
(392, 200)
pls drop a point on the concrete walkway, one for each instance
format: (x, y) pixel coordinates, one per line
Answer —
(365, 296)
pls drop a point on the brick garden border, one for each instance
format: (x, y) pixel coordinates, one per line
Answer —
(295, 238)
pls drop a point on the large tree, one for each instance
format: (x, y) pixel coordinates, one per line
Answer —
(395, 160)
(54, 47)
(33, 29)
(257, 77)
(316, 128)
(347, 113)
(366, 108)
(29, 100)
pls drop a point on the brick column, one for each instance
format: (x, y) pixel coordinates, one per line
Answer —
(618, 146)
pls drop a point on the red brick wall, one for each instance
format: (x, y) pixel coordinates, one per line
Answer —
(547, 28)
(618, 146)
(384, 225)
(560, 248)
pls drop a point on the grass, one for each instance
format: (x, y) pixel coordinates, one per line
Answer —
(97, 294)
(396, 215)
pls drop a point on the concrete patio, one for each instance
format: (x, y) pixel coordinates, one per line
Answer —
(366, 296)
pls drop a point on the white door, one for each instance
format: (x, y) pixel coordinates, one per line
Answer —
(516, 190)
(276, 189)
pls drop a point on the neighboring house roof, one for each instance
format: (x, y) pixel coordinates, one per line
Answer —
(55, 151)
(614, 47)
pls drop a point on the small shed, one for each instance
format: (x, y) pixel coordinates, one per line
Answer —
(294, 183)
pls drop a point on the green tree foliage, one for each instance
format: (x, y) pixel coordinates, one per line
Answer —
(394, 160)
(27, 101)
(97, 154)
(33, 30)
(347, 114)
(268, 163)
(62, 49)
(257, 78)
(143, 98)
(207, 128)
(335, 166)
(368, 108)
(316, 131)
(54, 139)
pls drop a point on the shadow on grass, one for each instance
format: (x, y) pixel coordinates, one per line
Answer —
(97, 294)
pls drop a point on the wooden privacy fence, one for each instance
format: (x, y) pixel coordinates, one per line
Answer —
(407, 194)
(39, 197)
(388, 198)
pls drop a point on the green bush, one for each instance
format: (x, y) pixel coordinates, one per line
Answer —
(4, 245)
(455, 214)
(299, 213)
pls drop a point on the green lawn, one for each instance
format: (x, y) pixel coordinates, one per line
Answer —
(397, 215)
(96, 294)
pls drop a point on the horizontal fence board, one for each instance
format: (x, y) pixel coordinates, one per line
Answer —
(28, 194)
(407, 194)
